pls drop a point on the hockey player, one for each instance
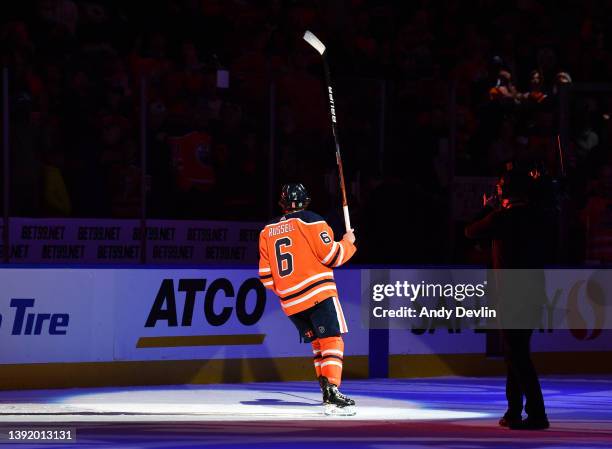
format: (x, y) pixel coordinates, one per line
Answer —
(297, 255)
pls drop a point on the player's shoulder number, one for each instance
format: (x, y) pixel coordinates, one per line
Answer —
(325, 237)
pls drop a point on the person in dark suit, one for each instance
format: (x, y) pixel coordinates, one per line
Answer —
(517, 231)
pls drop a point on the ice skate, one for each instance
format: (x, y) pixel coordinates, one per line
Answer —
(334, 402)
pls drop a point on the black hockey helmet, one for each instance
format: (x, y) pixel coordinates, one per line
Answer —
(294, 196)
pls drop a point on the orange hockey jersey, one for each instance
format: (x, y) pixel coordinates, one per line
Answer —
(296, 257)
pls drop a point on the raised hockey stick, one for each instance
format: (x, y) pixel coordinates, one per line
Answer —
(318, 45)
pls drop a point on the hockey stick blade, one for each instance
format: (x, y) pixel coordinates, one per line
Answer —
(315, 42)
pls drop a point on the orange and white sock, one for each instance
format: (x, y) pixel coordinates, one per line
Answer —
(316, 350)
(332, 354)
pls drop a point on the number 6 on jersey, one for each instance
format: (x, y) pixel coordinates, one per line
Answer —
(284, 260)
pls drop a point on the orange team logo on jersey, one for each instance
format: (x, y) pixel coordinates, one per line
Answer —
(297, 255)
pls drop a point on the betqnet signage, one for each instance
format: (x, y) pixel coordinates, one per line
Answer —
(111, 241)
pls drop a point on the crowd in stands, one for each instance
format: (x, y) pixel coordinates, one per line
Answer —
(469, 86)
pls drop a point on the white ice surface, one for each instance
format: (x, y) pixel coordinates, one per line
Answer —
(168, 404)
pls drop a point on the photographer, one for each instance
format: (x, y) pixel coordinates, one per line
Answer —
(517, 231)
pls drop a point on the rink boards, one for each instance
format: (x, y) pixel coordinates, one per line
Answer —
(121, 326)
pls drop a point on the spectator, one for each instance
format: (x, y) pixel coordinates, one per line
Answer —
(56, 201)
(504, 90)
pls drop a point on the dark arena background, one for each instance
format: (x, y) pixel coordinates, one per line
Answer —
(144, 148)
